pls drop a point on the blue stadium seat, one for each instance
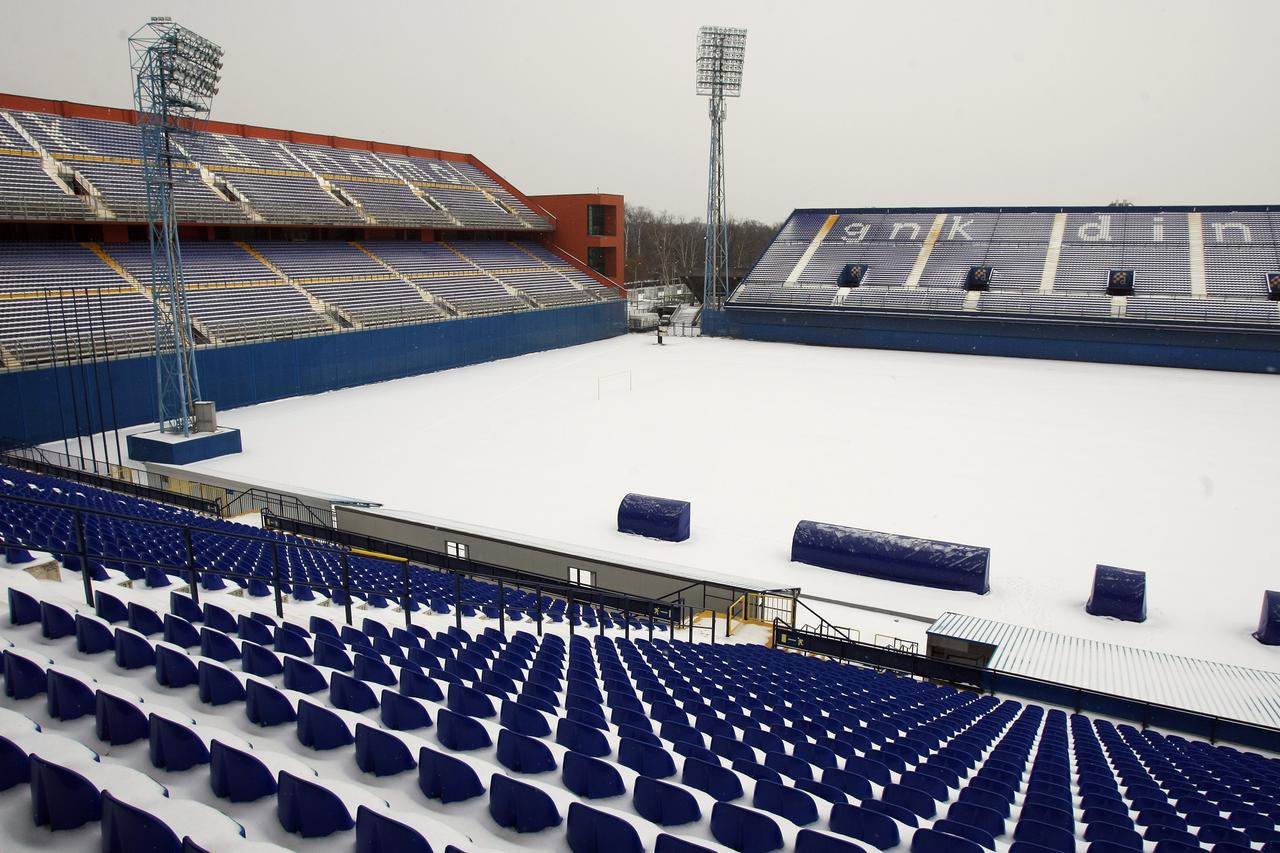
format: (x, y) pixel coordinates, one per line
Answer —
(932, 841)
(174, 746)
(582, 738)
(524, 720)
(793, 804)
(830, 793)
(182, 606)
(321, 728)
(646, 759)
(461, 733)
(180, 632)
(351, 694)
(1045, 835)
(382, 753)
(67, 697)
(307, 808)
(720, 782)
(593, 831)
(218, 646)
(403, 713)
(302, 676)
(217, 684)
(174, 669)
(55, 622)
(60, 797)
(379, 832)
(469, 701)
(521, 806)
(238, 775)
(24, 608)
(788, 765)
(110, 608)
(851, 783)
(447, 778)
(119, 720)
(589, 777)
(980, 816)
(421, 686)
(133, 651)
(334, 657)
(144, 620)
(663, 803)
(745, 830)
(372, 669)
(809, 841)
(264, 705)
(913, 799)
(876, 829)
(963, 830)
(524, 754)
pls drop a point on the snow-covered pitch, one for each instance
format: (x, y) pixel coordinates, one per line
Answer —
(1055, 466)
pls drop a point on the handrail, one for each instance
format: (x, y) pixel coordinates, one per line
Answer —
(822, 621)
(619, 602)
(38, 463)
(998, 681)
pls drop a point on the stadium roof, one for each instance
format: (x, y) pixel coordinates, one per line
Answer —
(1223, 690)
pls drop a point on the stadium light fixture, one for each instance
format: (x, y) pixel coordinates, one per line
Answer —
(721, 54)
(176, 74)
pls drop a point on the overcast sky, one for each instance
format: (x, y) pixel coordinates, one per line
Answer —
(844, 103)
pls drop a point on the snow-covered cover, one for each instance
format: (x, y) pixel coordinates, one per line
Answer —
(1055, 466)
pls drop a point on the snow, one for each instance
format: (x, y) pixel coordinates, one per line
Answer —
(1055, 466)
(128, 772)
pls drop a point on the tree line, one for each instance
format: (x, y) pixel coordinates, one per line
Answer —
(670, 249)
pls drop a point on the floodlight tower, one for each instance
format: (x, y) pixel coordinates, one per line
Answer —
(721, 51)
(176, 75)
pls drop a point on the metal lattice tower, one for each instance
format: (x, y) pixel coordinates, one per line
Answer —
(721, 52)
(175, 76)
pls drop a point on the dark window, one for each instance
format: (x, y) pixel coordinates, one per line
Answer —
(595, 219)
(596, 259)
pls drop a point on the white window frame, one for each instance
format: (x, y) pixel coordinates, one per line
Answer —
(456, 549)
(582, 577)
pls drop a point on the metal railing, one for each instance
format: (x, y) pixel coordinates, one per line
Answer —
(1080, 699)
(116, 478)
(191, 567)
(141, 483)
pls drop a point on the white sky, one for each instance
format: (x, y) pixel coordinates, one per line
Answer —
(845, 103)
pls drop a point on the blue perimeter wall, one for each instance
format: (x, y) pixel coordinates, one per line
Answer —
(255, 373)
(1118, 342)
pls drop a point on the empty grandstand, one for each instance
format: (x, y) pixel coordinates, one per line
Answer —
(1187, 269)
(394, 236)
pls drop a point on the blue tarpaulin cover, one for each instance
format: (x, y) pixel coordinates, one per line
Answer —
(1119, 593)
(924, 562)
(1269, 624)
(657, 518)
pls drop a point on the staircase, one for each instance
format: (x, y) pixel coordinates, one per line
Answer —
(439, 301)
(328, 186)
(339, 318)
(524, 298)
(63, 175)
(199, 327)
(221, 186)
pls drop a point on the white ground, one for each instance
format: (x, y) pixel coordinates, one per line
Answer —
(467, 823)
(1055, 466)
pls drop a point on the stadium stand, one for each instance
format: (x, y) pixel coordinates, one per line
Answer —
(26, 190)
(272, 280)
(106, 154)
(651, 744)
(1189, 265)
(223, 178)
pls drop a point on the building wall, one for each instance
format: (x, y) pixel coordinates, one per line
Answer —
(571, 234)
(508, 551)
(271, 370)
(1209, 348)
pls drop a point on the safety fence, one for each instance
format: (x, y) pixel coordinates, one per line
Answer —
(1080, 699)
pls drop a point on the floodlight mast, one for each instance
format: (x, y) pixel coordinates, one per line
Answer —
(721, 52)
(176, 74)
